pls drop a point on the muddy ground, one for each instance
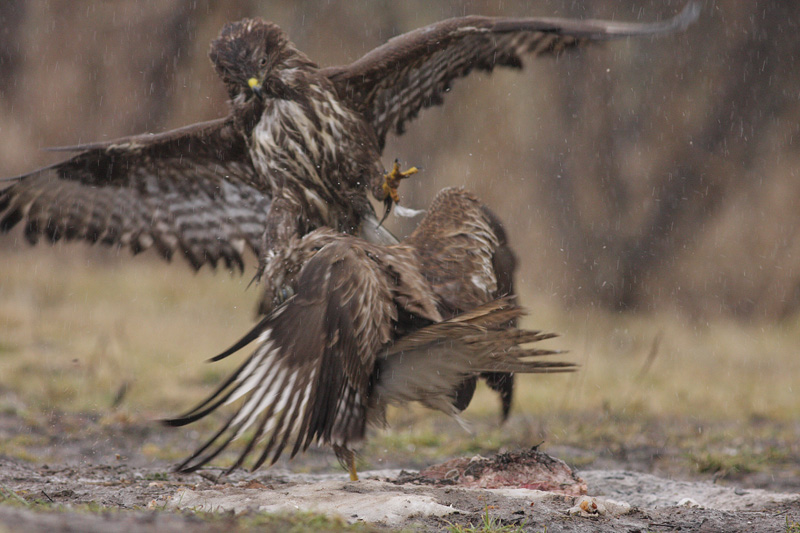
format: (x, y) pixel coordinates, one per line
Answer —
(85, 473)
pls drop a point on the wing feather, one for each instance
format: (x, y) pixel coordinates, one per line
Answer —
(192, 190)
(309, 376)
(428, 364)
(456, 244)
(463, 249)
(393, 82)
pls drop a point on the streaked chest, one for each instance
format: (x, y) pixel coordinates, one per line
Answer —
(308, 140)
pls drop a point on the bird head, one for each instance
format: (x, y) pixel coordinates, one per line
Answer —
(252, 57)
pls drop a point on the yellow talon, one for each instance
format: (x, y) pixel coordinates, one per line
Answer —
(391, 180)
(352, 469)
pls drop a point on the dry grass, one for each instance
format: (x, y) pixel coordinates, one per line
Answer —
(78, 326)
(667, 366)
(84, 329)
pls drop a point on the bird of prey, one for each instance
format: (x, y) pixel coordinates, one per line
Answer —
(299, 150)
(352, 327)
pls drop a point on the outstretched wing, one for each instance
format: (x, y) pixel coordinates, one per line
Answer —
(308, 378)
(192, 190)
(393, 82)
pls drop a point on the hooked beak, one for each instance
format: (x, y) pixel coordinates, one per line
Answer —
(256, 87)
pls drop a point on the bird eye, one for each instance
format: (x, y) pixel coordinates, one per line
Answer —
(262, 62)
(283, 294)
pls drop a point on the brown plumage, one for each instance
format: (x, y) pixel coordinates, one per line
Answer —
(352, 327)
(299, 150)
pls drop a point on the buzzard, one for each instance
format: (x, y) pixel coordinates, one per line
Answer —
(299, 150)
(352, 327)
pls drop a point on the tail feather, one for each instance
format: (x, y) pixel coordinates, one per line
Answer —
(431, 364)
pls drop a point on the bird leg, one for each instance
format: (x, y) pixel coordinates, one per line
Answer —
(352, 469)
(347, 458)
(391, 182)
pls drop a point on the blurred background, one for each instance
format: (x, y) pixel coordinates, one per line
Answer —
(649, 186)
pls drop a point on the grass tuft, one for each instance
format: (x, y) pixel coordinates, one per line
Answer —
(488, 524)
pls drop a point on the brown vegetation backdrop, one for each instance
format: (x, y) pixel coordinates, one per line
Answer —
(641, 174)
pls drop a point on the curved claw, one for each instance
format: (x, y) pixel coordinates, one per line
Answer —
(387, 208)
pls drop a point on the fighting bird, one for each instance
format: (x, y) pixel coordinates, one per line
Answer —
(352, 327)
(299, 150)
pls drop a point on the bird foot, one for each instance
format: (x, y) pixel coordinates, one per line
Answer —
(352, 469)
(347, 458)
(391, 180)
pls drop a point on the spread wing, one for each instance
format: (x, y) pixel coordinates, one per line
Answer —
(393, 82)
(192, 190)
(309, 376)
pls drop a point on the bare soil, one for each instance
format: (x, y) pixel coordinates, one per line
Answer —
(86, 473)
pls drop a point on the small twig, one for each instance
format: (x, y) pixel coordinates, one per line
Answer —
(48, 497)
(650, 356)
(120, 395)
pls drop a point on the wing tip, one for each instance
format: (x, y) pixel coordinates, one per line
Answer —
(249, 337)
(687, 16)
